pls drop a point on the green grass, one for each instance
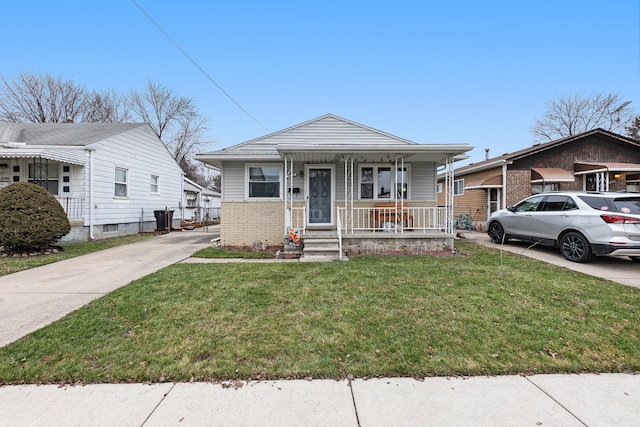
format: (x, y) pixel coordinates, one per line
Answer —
(225, 253)
(10, 265)
(372, 316)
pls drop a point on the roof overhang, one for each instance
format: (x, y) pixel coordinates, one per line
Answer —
(477, 184)
(74, 156)
(332, 153)
(542, 175)
(585, 168)
(325, 153)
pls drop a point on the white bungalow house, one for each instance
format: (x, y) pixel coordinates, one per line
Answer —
(108, 177)
(337, 186)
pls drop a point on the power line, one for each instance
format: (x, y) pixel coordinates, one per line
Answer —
(198, 66)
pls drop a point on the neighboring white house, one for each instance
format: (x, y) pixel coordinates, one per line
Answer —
(334, 177)
(109, 177)
(199, 203)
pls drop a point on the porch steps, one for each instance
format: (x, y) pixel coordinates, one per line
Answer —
(320, 248)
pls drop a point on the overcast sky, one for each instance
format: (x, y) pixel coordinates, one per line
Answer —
(475, 72)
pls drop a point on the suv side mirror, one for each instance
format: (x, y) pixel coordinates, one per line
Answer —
(511, 208)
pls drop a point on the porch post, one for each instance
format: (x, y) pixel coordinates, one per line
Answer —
(449, 204)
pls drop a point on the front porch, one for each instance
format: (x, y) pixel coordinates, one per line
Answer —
(398, 229)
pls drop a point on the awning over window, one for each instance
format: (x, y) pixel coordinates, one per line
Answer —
(477, 184)
(585, 168)
(542, 175)
(71, 156)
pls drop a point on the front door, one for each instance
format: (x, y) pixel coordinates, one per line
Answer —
(320, 197)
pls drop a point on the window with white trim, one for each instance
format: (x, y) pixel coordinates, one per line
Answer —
(439, 188)
(458, 187)
(380, 183)
(155, 184)
(263, 181)
(120, 181)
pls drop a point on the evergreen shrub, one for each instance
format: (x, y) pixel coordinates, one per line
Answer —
(30, 218)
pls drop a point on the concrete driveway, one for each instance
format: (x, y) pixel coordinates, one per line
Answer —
(34, 298)
(620, 270)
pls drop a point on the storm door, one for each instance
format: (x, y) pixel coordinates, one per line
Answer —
(320, 197)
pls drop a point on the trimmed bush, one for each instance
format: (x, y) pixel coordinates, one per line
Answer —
(30, 218)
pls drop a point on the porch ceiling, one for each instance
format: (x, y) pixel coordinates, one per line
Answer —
(585, 168)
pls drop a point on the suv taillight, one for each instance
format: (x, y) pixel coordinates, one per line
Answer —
(619, 219)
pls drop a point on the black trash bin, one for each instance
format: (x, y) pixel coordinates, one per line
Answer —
(163, 220)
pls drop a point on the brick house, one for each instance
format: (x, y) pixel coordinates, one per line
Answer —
(596, 160)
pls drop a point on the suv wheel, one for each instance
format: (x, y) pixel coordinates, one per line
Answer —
(575, 247)
(496, 233)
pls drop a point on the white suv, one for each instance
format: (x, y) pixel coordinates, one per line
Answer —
(581, 224)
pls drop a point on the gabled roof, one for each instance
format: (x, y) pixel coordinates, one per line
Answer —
(327, 138)
(537, 148)
(61, 134)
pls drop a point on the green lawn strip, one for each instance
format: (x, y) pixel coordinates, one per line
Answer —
(10, 265)
(374, 316)
(226, 253)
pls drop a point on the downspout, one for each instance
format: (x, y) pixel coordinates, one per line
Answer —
(91, 207)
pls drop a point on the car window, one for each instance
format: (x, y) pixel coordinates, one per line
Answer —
(627, 205)
(555, 203)
(570, 204)
(529, 205)
(599, 203)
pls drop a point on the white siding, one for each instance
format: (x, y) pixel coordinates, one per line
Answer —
(327, 130)
(233, 176)
(423, 181)
(142, 154)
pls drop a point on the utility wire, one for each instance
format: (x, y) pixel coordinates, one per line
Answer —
(198, 66)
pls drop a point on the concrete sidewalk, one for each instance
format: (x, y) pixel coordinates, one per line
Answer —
(34, 298)
(538, 400)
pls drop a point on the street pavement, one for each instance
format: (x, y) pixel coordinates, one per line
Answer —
(34, 298)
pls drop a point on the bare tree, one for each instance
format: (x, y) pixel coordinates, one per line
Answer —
(175, 119)
(107, 106)
(633, 130)
(41, 99)
(571, 115)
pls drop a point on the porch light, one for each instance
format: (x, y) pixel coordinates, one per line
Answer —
(617, 176)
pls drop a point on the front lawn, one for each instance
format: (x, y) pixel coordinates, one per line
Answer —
(475, 314)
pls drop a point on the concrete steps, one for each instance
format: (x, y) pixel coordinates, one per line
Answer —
(320, 247)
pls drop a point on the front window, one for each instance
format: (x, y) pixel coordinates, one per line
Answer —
(379, 183)
(120, 180)
(46, 175)
(264, 181)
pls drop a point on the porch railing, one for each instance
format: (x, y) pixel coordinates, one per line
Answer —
(73, 206)
(409, 219)
(296, 218)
